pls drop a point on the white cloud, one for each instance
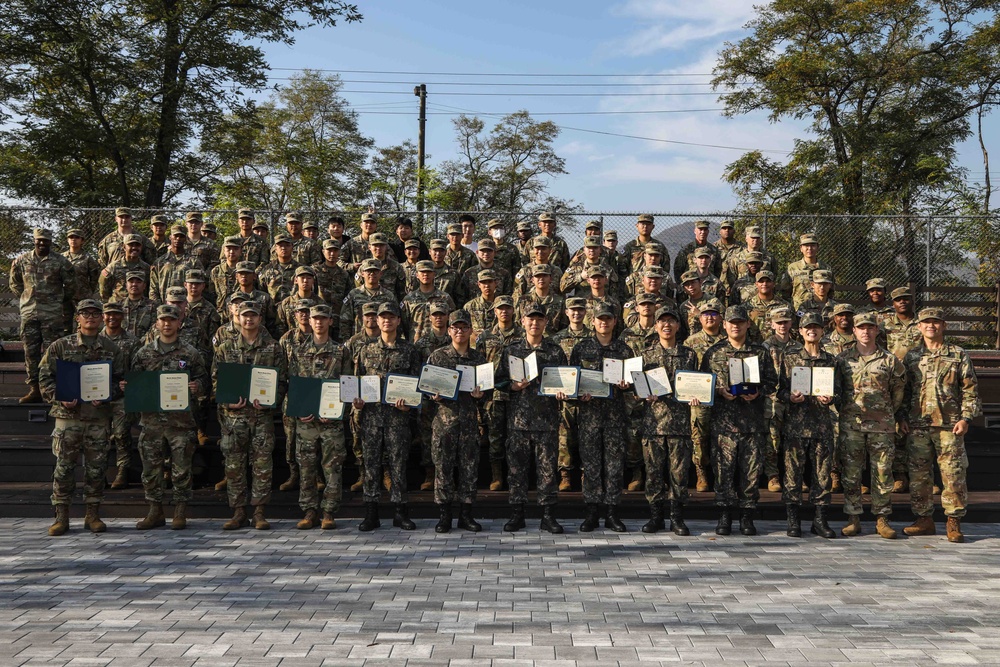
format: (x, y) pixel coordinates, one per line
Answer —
(672, 24)
(679, 169)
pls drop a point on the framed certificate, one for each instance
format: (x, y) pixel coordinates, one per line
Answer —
(436, 380)
(691, 384)
(556, 379)
(402, 387)
(86, 381)
(592, 382)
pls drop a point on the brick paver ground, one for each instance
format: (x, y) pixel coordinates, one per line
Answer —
(289, 597)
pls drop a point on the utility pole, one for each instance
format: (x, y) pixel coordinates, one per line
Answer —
(421, 92)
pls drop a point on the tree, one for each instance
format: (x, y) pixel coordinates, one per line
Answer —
(111, 99)
(301, 149)
(394, 177)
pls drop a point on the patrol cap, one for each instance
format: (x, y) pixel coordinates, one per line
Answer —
(546, 217)
(822, 276)
(592, 242)
(808, 239)
(900, 292)
(664, 311)
(378, 238)
(425, 265)
(388, 308)
(736, 314)
(710, 306)
(764, 275)
(412, 243)
(168, 311)
(239, 297)
(592, 224)
(755, 232)
(930, 314)
(304, 304)
(210, 228)
(811, 320)
(652, 248)
(113, 307)
(611, 235)
(260, 224)
(459, 317)
(232, 242)
(533, 309)
(371, 264)
(369, 217)
(454, 229)
(77, 233)
(781, 314)
(701, 224)
(438, 307)
(158, 220)
(294, 217)
(603, 309)
(438, 244)
(541, 242)
(494, 223)
(321, 310)
(868, 317)
(245, 213)
(727, 224)
(541, 270)
(305, 271)
(195, 276)
(524, 226)
(193, 216)
(370, 308)
(646, 297)
(177, 294)
(842, 308)
(40, 233)
(135, 275)
(486, 275)
(135, 239)
(702, 252)
(875, 283)
(282, 237)
(245, 267)
(89, 304)
(576, 302)
(754, 257)
(178, 230)
(310, 225)
(250, 306)
(646, 218)
(123, 210)
(653, 272)
(598, 270)
(502, 301)
(487, 244)
(688, 276)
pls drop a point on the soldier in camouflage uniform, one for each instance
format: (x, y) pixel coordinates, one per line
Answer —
(541, 253)
(416, 305)
(777, 344)
(685, 258)
(111, 249)
(666, 431)
(248, 427)
(486, 253)
(728, 245)
(277, 277)
(795, 281)
(350, 313)
(841, 336)
(121, 421)
(434, 338)
(761, 304)
(411, 257)
(335, 231)
(169, 270)
(445, 279)
(203, 249)
(819, 301)
(653, 280)
(44, 283)
(943, 400)
(393, 278)
(592, 228)
(542, 295)
(560, 250)
(295, 336)
(874, 386)
(576, 331)
(305, 288)
(650, 257)
(532, 423)
(455, 430)
(357, 250)
(507, 257)
(481, 309)
(638, 337)
(574, 280)
(876, 300)
(158, 235)
(701, 415)
(808, 433)
(223, 276)
(140, 311)
(256, 249)
(634, 250)
(305, 250)
(246, 283)
(492, 343)
(111, 283)
(617, 260)
(385, 429)
(81, 426)
(320, 441)
(368, 333)
(901, 336)
(597, 276)
(173, 431)
(737, 264)
(458, 257)
(601, 424)
(744, 288)
(86, 268)
(710, 283)
(738, 426)
(689, 308)
(332, 282)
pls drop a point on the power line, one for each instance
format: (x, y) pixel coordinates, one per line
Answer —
(540, 113)
(515, 85)
(523, 74)
(466, 94)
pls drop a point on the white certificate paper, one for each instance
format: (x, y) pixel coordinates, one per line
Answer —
(691, 384)
(403, 387)
(744, 371)
(263, 386)
(349, 389)
(174, 391)
(653, 382)
(440, 381)
(822, 381)
(371, 388)
(801, 380)
(556, 379)
(484, 376)
(475, 377)
(95, 382)
(616, 370)
(592, 382)
(522, 370)
(330, 405)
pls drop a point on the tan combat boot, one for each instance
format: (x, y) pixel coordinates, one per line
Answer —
(884, 529)
(954, 528)
(154, 519)
(360, 484)
(259, 522)
(121, 479)
(291, 483)
(179, 522)
(238, 521)
(328, 521)
(564, 483)
(428, 483)
(497, 483)
(638, 482)
(853, 526)
(92, 521)
(221, 485)
(386, 479)
(835, 486)
(701, 484)
(773, 484)
(34, 394)
(203, 438)
(901, 485)
(924, 525)
(61, 523)
(307, 522)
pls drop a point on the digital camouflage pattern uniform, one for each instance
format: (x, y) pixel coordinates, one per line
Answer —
(333, 285)
(874, 389)
(560, 255)
(638, 339)
(460, 261)
(121, 421)
(278, 279)
(354, 345)
(223, 279)
(205, 251)
(421, 422)
(942, 389)
(256, 250)
(306, 251)
(288, 341)
(701, 415)
(170, 431)
(468, 286)
(416, 311)
(286, 311)
(569, 441)
(685, 260)
(901, 336)
(446, 280)
(45, 287)
(112, 248)
(393, 278)
(774, 409)
(795, 284)
(88, 274)
(759, 311)
(491, 344)
(523, 284)
(738, 427)
(554, 306)
(836, 342)
(351, 320)
(481, 312)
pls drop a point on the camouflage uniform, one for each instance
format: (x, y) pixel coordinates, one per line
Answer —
(112, 282)
(758, 311)
(169, 271)
(139, 316)
(455, 433)
(332, 285)
(44, 287)
(393, 279)
(88, 273)
(286, 312)
(774, 409)
(601, 424)
(808, 429)
(223, 279)
(735, 265)
(633, 253)
(491, 344)
(555, 309)
(901, 336)
(871, 407)
(351, 320)
(416, 311)
(446, 280)
(421, 423)
(523, 284)
(508, 258)
(460, 260)
(738, 427)
(248, 433)
(701, 416)
(170, 431)
(278, 279)
(354, 252)
(813, 305)
(384, 428)
(112, 248)
(685, 260)
(560, 255)
(160, 246)
(574, 280)
(354, 345)
(615, 304)
(666, 428)
(482, 314)
(289, 340)
(942, 389)
(569, 450)
(468, 286)
(306, 251)
(82, 429)
(205, 251)
(268, 311)
(255, 250)
(316, 442)
(121, 422)
(796, 281)
(638, 340)
(532, 426)
(836, 342)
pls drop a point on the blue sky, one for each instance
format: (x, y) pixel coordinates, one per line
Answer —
(618, 40)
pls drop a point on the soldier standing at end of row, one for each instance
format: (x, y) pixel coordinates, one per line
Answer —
(901, 336)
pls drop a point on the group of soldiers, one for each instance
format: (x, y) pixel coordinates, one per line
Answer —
(322, 307)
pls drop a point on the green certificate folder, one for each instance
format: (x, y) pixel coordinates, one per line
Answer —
(236, 381)
(314, 396)
(157, 391)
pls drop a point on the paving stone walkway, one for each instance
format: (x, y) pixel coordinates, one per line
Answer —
(289, 597)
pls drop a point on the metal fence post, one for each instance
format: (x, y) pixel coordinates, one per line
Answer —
(927, 243)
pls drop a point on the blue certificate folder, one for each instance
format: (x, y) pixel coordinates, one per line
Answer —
(68, 379)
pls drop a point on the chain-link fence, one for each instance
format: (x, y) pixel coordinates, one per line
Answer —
(914, 250)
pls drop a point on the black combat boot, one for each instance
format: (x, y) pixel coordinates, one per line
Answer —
(370, 522)
(549, 522)
(656, 521)
(593, 518)
(746, 522)
(444, 523)
(677, 519)
(612, 522)
(725, 525)
(465, 520)
(516, 522)
(794, 528)
(820, 526)
(402, 518)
